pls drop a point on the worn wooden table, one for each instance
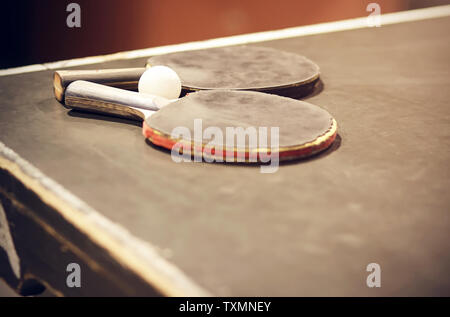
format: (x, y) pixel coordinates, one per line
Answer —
(87, 189)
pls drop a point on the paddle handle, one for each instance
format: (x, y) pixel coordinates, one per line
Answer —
(125, 78)
(92, 97)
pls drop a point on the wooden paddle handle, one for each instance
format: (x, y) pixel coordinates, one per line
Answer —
(92, 97)
(125, 78)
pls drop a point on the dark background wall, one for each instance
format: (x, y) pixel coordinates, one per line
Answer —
(35, 31)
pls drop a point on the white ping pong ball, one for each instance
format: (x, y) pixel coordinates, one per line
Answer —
(160, 81)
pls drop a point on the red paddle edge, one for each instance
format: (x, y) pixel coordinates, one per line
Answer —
(160, 139)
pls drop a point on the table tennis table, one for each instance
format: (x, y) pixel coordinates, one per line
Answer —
(87, 189)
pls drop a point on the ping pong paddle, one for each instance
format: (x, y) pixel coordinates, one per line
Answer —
(232, 68)
(303, 129)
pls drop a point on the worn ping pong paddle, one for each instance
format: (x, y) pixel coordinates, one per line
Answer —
(303, 129)
(233, 68)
